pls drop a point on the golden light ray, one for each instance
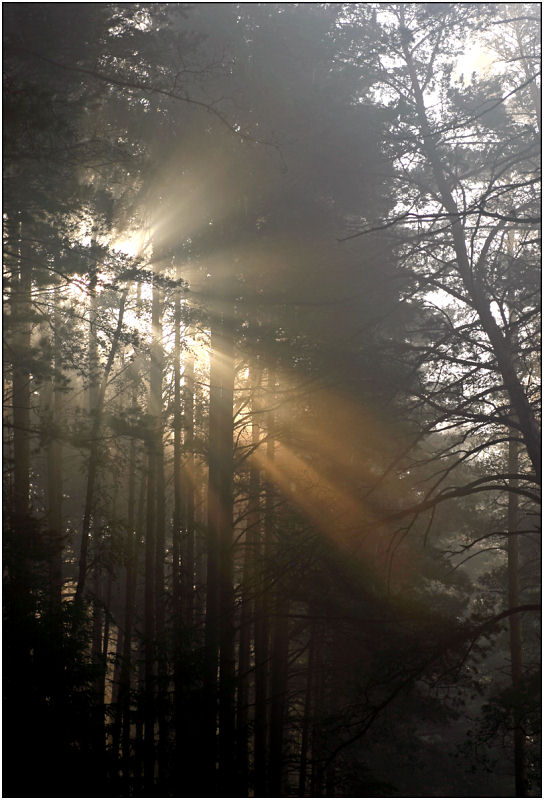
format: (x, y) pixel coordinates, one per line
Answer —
(353, 525)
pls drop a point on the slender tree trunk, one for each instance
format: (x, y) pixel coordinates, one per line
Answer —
(98, 740)
(264, 605)
(307, 716)
(279, 636)
(20, 310)
(116, 709)
(219, 602)
(209, 718)
(117, 592)
(154, 551)
(329, 648)
(262, 662)
(226, 590)
(185, 710)
(54, 484)
(520, 773)
(121, 680)
(160, 638)
(316, 783)
(89, 520)
(242, 702)
(249, 578)
(149, 627)
(97, 404)
(94, 416)
(106, 640)
(179, 721)
(246, 625)
(200, 494)
(139, 733)
(178, 489)
(54, 470)
(130, 607)
(278, 692)
(138, 715)
(188, 555)
(101, 640)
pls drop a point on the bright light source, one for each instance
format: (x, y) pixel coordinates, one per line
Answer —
(475, 59)
(131, 244)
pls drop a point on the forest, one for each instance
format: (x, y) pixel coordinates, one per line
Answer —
(271, 386)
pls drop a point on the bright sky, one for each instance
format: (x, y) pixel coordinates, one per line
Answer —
(476, 58)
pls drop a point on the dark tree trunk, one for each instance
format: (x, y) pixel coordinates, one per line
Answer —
(280, 634)
(264, 606)
(262, 657)
(149, 626)
(154, 552)
(177, 521)
(105, 641)
(178, 488)
(21, 304)
(160, 638)
(201, 515)
(226, 577)
(249, 579)
(520, 770)
(242, 701)
(97, 657)
(278, 694)
(139, 733)
(54, 471)
(209, 715)
(96, 401)
(305, 739)
(318, 693)
(188, 477)
(219, 598)
(121, 732)
(185, 711)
